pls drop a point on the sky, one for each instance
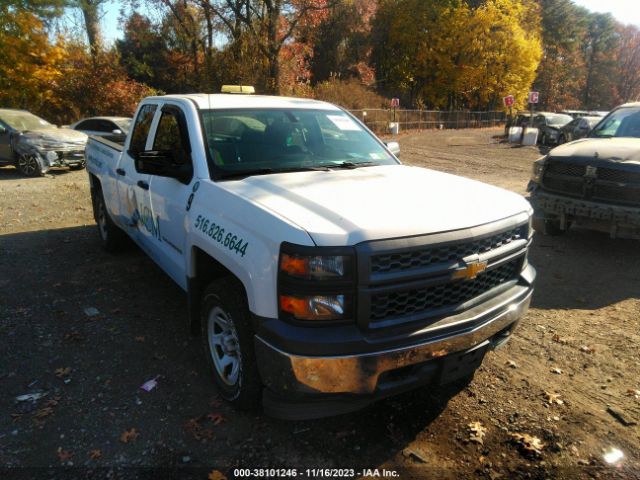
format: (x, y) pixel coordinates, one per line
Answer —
(625, 11)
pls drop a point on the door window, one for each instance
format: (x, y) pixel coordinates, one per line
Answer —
(141, 129)
(170, 138)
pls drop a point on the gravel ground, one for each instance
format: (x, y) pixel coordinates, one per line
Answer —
(86, 329)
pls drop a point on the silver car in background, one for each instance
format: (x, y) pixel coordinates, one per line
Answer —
(113, 127)
(549, 125)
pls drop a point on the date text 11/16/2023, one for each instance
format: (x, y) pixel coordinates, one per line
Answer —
(314, 473)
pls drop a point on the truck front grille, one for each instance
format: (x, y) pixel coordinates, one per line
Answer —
(622, 176)
(439, 296)
(417, 279)
(564, 178)
(567, 169)
(606, 184)
(400, 262)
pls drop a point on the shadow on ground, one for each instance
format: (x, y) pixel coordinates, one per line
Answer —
(584, 261)
(50, 279)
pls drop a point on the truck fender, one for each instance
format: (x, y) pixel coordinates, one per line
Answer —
(204, 268)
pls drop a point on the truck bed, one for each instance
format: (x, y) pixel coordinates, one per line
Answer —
(112, 141)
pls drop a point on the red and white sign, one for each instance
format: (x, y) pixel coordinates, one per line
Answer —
(395, 103)
(533, 97)
(508, 100)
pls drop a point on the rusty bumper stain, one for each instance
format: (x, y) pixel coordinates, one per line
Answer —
(358, 374)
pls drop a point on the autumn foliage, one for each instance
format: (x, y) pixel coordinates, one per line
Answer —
(437, 54)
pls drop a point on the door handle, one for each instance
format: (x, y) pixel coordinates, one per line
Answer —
(120, 171)
(143, 185)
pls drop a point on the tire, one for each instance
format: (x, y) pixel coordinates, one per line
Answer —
(111, 237)
(550, 227)
(227, 339)
(29, 165)
(79, 166)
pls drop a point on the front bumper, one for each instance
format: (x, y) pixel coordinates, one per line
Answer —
(348, 382)
(618, 220)
(64, 158)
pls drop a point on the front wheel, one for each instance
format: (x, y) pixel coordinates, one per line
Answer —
(227, 339)
(29, 165)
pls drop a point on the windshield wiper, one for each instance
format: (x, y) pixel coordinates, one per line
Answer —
(268, 171)
(350, 164)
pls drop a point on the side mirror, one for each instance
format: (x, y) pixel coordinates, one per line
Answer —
(116, 131)
(162, 164)
(394, 147)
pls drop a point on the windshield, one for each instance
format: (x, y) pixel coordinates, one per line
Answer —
(558, 120)
(624, 122)
(23, 121)
(123, 123)
(261, 141)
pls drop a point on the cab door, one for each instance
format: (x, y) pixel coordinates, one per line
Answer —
(135, 214)
(170, 196)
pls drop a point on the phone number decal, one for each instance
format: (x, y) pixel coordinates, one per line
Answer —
(217, 233)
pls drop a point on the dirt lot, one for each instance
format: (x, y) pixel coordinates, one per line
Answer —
(575, 355)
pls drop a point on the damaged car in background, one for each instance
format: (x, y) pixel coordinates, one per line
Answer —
(593, 182)
(34, 145)
(549, 125)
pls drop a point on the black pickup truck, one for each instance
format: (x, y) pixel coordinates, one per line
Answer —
(594, 181)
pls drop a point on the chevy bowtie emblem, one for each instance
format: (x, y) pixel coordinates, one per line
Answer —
(471, 271)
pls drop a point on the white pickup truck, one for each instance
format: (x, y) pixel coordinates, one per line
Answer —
(321, 273)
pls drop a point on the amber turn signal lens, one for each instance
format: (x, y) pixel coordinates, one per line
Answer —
(296, 266)
(319, 307)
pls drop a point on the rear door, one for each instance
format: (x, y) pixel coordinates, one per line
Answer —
(133, 187)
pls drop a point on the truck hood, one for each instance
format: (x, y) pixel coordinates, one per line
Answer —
(345, 207)
(619, 150)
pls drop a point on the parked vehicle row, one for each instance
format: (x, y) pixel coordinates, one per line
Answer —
(558, 128)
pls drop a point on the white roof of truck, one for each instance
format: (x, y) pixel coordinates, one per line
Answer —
(228, 100)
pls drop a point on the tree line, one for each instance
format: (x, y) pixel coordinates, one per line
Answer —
(436, 54)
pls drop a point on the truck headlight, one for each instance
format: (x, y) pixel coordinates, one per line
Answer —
(316, 283)
(538, 169)
(314, 267)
